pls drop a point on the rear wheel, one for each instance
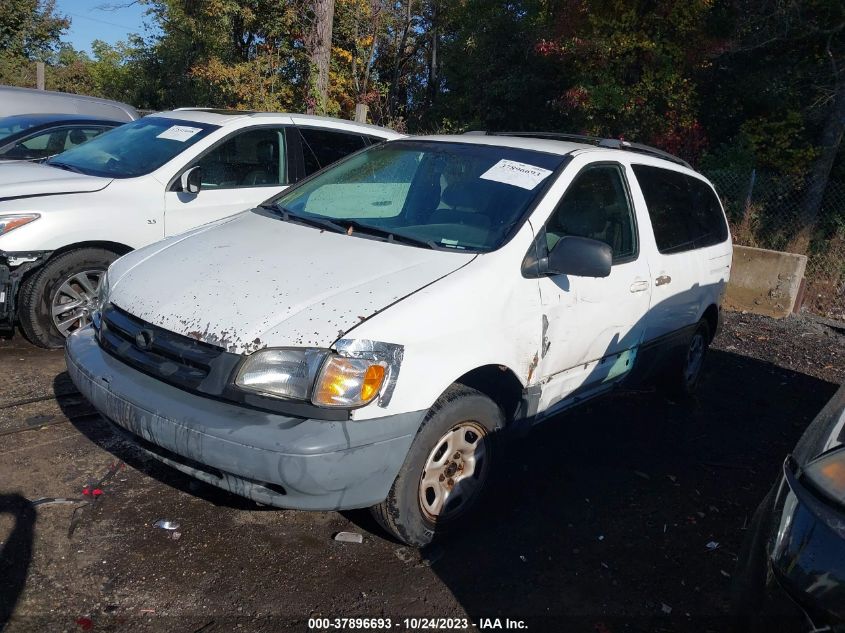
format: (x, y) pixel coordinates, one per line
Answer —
(62, 295)
(446, 468)
(684, 374)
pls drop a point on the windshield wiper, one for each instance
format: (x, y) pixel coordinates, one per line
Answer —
(348, 226)
(390, 236)
(65, 166)
(320, 223)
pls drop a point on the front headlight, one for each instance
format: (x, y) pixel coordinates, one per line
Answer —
(13, 221)
(827, 474)
(281, 373)
(356, 375)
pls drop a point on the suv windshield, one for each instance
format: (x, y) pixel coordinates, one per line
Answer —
(447, 195)
(133, 149)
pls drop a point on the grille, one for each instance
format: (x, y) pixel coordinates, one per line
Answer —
(173, 358)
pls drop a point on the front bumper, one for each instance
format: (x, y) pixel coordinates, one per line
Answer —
(13, 266)
(271, 458)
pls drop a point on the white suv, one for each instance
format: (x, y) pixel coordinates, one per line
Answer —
(63, 221)
(363, 339)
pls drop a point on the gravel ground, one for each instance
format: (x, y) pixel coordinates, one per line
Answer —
(598, 521)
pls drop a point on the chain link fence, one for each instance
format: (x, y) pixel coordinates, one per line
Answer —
(763, 211)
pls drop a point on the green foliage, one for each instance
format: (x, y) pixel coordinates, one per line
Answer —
(30, 29)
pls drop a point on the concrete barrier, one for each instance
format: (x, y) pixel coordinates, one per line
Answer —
(764, 282)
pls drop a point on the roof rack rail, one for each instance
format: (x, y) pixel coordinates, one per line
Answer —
(609, 143)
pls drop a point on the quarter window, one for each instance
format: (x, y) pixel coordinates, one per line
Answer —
(251, 159)
(321, 148)
(596, 206)
(685, 213)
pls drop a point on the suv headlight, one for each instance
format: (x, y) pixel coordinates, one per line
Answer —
(15, 220)
(827, 474)
(359, 372)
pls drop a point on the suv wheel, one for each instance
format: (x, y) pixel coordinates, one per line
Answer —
(685, 373)
(446, 468)
(60, 297)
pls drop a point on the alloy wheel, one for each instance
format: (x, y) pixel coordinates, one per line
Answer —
(75, 301)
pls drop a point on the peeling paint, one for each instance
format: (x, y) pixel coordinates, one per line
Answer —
(534, 362)
(546, 342)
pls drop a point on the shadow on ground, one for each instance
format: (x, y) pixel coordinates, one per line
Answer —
(599, 520)
(15, 552)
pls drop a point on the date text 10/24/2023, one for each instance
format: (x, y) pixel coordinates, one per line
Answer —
(414, 624)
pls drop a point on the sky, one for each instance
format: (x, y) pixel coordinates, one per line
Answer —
(107, 20)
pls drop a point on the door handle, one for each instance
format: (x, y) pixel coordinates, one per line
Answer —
(639, 286)
(662, 280)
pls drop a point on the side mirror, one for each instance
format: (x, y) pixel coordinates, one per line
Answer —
(578, 256)
(191, 180)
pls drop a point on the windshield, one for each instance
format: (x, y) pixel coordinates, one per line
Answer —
(12, 125)
(459, 196)
(133, 149)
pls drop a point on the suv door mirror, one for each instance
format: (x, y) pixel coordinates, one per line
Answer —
(578, 256)
(191, 180)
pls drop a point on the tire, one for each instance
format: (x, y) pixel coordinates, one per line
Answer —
(40, 290)
(684, 373)
(458, 416)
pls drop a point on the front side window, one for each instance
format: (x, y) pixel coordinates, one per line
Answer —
(133, 149)
(596, 205)
(321, 148)
(458, 196)
(79, 135)
(255, 158)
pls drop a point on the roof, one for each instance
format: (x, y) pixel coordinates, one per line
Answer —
(550, 145)
(14, 100)
(538, 144)
(47, 117)
(227, 117)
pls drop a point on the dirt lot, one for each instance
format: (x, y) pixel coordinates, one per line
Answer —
(599, 520)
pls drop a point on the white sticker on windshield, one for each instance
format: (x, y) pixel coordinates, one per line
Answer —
(179, 133)
(510, 172)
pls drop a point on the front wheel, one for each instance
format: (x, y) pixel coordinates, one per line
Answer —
(61, 297)
(446, 468)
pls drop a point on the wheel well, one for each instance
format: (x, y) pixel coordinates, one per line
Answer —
(498, 383)
(114, 247)
(711, 315)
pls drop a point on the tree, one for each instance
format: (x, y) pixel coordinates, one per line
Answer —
(30, 29)
(318, 43)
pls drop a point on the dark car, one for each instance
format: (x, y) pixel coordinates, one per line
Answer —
(792, 570)
(35, 136)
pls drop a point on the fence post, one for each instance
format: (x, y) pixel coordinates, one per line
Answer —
(748, 197)
(39, 75)
(361, 112)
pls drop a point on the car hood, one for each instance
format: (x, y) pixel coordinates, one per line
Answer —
(255, 281)
(26, 179)
(825, 432)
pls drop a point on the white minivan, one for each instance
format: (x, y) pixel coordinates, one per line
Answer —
(363, 339)
(64, 220)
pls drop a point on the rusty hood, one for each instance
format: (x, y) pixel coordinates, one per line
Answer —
(255, 281)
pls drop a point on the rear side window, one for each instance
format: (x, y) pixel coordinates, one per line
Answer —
(321, 148)
(684, 211)
(707, 219)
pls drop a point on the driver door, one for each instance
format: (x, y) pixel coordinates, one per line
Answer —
(593, 326)
(237, 174)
